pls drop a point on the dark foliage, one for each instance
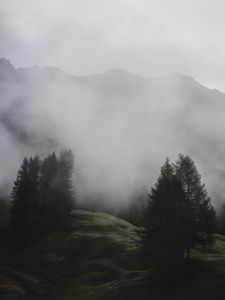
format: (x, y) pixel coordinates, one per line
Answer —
(221, 219)
(57, 196)
(164, 220)
(5, 209)
(201, 214)
(25, 206)
(42, 197)
(178, 216)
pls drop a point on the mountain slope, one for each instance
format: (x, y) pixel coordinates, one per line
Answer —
(121, 126)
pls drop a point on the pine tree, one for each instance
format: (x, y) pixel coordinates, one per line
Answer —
(49, 193)
(65, 172)
(179, 214)
(65, 189)
(200, 213)
(34, 195)
(42, 197)
(57, 199)
(48, 178)
(25, 196)
(164, 220)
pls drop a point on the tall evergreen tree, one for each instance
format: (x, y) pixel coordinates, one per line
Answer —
(179, 214)
(65, 189)
(65, 172)
(42, 197)
(201, 214)
(48, 192)
(164, 220)
(25, 195)
(34, 192)
(56, 191)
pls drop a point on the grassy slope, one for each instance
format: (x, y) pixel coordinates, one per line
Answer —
(100, 259)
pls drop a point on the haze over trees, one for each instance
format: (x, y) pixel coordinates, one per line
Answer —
(98, 118)
(42, 197)
(179, 214)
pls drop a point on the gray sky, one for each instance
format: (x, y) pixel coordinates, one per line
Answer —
(152, 37)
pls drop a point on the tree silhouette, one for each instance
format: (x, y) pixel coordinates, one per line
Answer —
(42, 197)
(178, 216)
(164, 220)
(56, 191)
(49, 193)
(200, 212)
(25, 195)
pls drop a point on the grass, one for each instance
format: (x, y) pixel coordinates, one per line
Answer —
(100, 259)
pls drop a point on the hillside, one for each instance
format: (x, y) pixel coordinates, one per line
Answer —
(99, 260)
(94, 260)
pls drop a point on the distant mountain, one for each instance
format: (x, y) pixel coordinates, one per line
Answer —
(120, 125)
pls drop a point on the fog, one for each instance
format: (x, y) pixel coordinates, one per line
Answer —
(121, 111)
(120, 126)
(151, 37)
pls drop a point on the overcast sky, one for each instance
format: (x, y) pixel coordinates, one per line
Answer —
(151, 37)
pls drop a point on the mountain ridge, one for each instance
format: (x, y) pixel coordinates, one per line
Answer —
(6, 64)
(116, 122)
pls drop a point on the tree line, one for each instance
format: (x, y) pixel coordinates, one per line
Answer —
(178, 215)
(42, 197)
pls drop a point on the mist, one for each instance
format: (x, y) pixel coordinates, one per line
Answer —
(121, 111)
(154, 38)
(120, 126)
(112, 149)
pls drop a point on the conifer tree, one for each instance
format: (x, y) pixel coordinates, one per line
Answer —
(65, 189)
(179, 214)
(65, 172)
(34, 195)
(164, 220)
(42, 197)
(25, 195)
(200, 212)
(56, 191)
